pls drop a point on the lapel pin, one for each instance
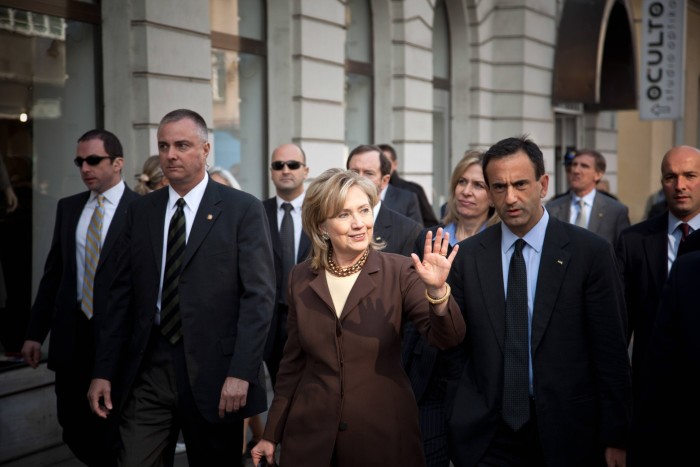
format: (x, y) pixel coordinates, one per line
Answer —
(600, 214)
(209, 217)
(560, 262)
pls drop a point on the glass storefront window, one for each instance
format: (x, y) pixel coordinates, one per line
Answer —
(47, 100)
(359, 123)
(239, 91)
(239, 139)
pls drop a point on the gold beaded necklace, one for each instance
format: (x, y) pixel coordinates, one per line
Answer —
(343, 272)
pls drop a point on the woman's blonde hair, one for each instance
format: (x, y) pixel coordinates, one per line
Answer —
(150, 176)
(324, 199)
(451, 215)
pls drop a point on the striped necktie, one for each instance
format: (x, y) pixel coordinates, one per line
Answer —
(93, 245)
(170, 323)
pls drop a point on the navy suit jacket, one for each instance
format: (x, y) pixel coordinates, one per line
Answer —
(55, 308)
(226, 296)
(398, 231)
(404, 202)
(608, 217)
(580, 367)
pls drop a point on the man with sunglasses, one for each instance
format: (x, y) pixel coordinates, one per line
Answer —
(72, 295)
(290, 244)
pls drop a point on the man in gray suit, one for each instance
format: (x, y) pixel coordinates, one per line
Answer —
(584, 205)
(396, 230)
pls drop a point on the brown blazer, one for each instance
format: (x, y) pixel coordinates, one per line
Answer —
(341, 385)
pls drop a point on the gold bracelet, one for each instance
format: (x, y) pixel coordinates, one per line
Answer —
(438, 301)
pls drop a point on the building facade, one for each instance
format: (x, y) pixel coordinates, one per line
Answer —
(434, 78)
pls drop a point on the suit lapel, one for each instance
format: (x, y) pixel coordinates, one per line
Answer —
(72, 219)
(116, 226)
(363, 286)
(206, 216)
(382, 226)
(304, 246)
(271, 211)
(656, 249)
(490, 274)
(156, 224)
(597, 213)
(554, 261)
(561, 209)
(319, 285)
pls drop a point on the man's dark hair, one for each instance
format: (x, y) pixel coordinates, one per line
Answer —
(597, 157)
(384, 163)
(181, 114)
(508, 147)
(390, 149)
(113, 147)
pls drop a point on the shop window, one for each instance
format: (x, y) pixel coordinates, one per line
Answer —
(442, 99)
(358, 74)
(48, 99)
(239, 91)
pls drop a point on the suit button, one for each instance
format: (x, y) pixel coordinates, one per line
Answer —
(343, 426)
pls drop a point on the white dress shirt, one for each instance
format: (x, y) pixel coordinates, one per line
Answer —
(112, 198)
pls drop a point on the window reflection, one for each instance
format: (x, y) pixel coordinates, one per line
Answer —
(238, 90)
(47, 100)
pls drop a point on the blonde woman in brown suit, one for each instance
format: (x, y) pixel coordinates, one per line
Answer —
(342, 398)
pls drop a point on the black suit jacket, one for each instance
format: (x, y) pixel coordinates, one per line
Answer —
(426, 209)
(404, 202)
(669, 398)
(55, 307)
(270, 205)
(642, 257)
(579, 353)
(226, 295)
(398, 231)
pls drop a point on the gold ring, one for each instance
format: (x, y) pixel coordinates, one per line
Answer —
(443, 254)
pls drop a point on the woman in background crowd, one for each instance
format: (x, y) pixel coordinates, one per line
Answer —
(223, 176)
(151, 177)
(468, 212)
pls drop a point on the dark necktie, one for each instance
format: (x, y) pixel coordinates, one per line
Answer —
(287, 239)
(170, 324)
(516, 403)
(685, 231)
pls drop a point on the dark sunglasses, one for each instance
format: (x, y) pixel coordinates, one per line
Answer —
(279, 165)
(91, 160)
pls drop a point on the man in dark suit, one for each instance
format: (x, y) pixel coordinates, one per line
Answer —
(189, 310)
(647, 250)
(586, 206)
(396, 230)
(426, 209)
(669, 398)
(72, 296)
(288, 172)
(545, 373)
